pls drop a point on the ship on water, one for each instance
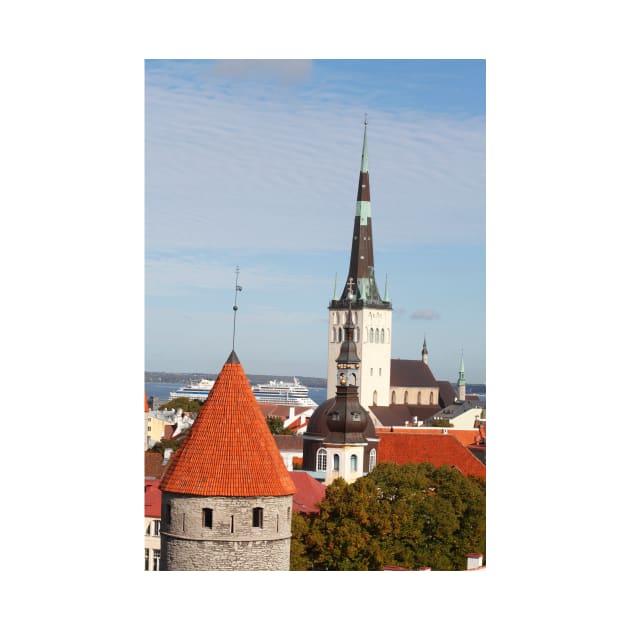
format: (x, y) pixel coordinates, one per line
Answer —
(282, 393)
(277, 392)
(197, 390)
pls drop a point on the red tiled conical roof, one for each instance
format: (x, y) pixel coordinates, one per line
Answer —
(230, 451)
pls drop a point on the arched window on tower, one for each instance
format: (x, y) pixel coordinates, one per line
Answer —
(371, 335)
(419, 398)
(375, 398)
(340, 335)
(382, 335)
(372, 460)
(431, 398)
(393, 397)
(354, 463)
(406, 397)
(335, 462)
(322, 458)
(376, 337)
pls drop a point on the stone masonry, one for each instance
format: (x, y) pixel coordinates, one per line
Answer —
(232, 543)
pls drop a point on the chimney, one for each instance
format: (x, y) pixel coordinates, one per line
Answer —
(474, 561)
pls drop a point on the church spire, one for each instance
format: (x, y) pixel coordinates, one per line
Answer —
(461, 381)
(425, 352)
(362, 254)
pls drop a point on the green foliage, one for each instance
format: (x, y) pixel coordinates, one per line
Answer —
(183, 403)
(163, 444)
(441, 422)
(410, 516)
(276, 426)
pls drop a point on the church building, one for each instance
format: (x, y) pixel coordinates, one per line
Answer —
(386, 384)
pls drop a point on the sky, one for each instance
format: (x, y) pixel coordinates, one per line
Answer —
(74, 316)
(255, 164)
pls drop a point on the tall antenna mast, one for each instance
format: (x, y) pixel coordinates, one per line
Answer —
(237, 288)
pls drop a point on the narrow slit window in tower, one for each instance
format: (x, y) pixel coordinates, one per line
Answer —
(207, 518)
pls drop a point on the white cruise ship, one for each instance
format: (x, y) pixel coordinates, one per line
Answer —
(198, 390)
(281, 393)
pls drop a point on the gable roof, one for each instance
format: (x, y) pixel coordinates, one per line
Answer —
(418, 447)
(153, 465)
(446, 393)
(468, 437)
(272, 409)
(396, 415)
(309, 492)
(229, 450)
(289, 442)
(411, 373)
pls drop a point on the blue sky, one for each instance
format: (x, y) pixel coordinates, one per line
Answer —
(255, 164)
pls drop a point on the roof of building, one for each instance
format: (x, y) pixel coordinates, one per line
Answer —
(282, 411)
(318, 422)
(404, 447)
(229, 450)
(397, 415)
(309, 492)
(289, 442)
(152, 498)
(468, 437)
(153, 465)
(446, 393)
(411, 373)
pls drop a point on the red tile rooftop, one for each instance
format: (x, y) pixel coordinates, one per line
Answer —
(403, 447)
(229, 450)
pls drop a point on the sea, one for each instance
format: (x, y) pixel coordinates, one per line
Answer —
(163, 391)
(318, 394)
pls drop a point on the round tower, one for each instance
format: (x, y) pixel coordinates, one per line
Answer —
(226, 494)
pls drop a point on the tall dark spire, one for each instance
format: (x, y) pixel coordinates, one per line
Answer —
(362, 254)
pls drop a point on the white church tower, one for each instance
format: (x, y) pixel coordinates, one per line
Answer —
(372, 315)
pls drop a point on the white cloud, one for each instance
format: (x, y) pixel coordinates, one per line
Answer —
(242, 170)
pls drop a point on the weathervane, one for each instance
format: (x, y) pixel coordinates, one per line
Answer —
(237, 288)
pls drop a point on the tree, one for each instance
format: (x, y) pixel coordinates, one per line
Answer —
(276, 426)
(163, 444)
(185, 404)
(410, 516)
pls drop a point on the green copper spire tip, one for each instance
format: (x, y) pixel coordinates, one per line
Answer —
(364, 155)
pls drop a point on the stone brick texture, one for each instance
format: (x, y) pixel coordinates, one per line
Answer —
(187, 545)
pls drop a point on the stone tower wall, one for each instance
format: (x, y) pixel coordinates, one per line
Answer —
(233, 543)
